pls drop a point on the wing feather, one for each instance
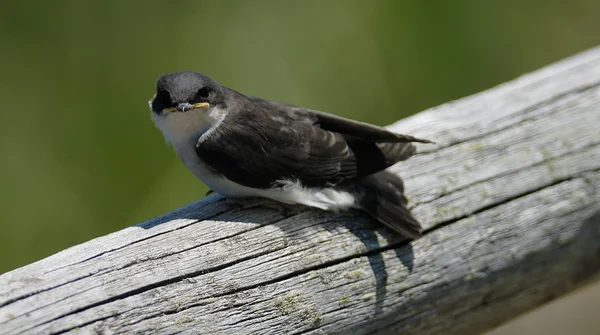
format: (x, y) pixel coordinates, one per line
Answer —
(314, 148)
(362, 130)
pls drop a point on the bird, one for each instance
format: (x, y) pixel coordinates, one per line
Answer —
(246, 147)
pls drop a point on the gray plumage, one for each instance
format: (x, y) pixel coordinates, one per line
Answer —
(243, 146)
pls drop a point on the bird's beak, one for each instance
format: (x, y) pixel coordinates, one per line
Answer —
(184, 107)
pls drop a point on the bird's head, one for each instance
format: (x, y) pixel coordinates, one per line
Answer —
(185, 92)
(185, 105)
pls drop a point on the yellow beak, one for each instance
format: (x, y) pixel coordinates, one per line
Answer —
(186, 107)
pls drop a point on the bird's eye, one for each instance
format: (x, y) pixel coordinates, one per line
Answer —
(163, 96)
(204, 92)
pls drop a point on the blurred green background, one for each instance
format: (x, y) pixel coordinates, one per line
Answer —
(80, 157)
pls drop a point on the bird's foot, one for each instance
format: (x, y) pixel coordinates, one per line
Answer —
(282, 208)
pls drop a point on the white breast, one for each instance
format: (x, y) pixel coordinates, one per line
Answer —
(182, 130)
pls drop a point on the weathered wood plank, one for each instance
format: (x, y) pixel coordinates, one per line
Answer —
(509, 197)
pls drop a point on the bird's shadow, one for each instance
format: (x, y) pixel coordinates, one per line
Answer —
(359, 224)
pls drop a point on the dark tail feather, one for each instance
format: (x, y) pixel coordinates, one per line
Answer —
(381, 195)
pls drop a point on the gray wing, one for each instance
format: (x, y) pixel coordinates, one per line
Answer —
(362, 130)
(259, 147)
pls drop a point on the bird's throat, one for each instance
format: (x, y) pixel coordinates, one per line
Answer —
(179, 128)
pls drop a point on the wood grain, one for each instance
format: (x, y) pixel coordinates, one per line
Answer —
(509, 197)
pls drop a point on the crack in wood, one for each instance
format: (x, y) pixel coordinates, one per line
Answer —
(108, 270)
(508, 173)
(148, 287)
(10, 301)
(145, 238)
(533, 108)
(508, 200)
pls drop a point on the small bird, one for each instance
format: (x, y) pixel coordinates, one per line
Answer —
(247, 147)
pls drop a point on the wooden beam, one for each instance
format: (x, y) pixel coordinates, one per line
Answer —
(509, 198)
